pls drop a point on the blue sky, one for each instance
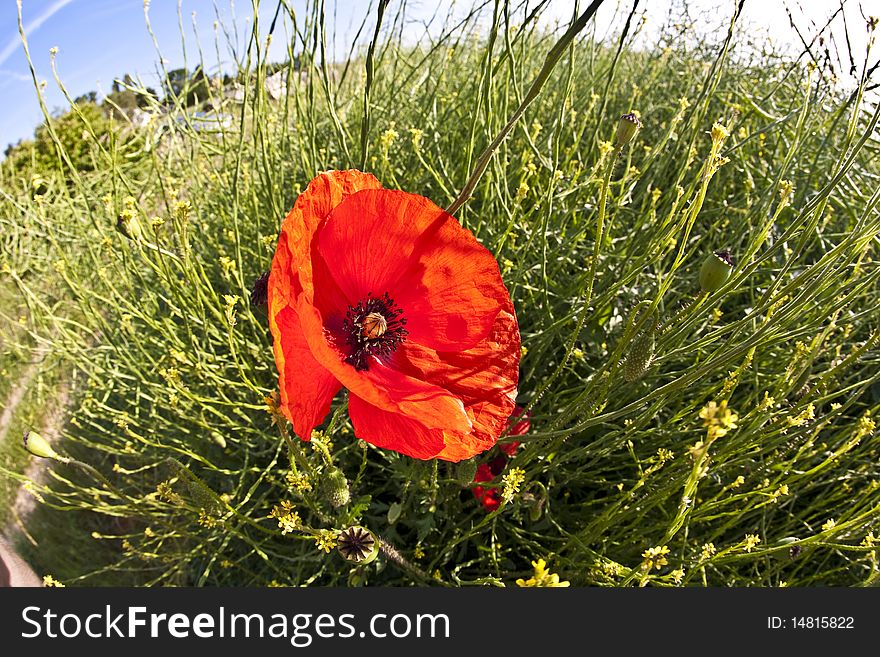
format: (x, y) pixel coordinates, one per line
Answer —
(99, 40)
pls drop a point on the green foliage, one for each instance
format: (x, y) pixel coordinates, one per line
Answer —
(749, 425)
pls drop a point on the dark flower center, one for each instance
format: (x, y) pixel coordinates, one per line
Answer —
(374, 327)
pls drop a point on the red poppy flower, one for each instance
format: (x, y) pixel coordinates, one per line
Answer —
(490, 498)
(384, 293)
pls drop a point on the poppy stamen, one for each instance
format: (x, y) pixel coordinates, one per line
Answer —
(373, 327)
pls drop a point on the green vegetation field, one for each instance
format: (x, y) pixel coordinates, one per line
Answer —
(678, 437)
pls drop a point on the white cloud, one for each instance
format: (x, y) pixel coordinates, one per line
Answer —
(15, 42)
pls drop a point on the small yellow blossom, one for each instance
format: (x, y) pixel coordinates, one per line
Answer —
(750, 542)
(865, 426)
(718, 419)
(766, 403)
(829, 524)
(779, 492)
(664, 455)
(325, 541)
(298, 481)
(677, 575)
(720, 132)
(803, 417)
(230, 301)
(655, 557)
(707, 551)
(512, 481)
(288, 519)
(786, 188)
(542, 577)
(50, 581)
(208, 520)
(227, 263)
(387, 139)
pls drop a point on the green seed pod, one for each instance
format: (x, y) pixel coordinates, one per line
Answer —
(640, 355)
(464, 471)
(627, 127)
(394, 512)
(358, 545)
(715, 270)
(336, 487)
(39, 446)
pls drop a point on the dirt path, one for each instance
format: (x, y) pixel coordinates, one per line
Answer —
(13, 399)
(36, 471)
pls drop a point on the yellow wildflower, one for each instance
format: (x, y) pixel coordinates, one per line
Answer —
(655, 557)
(542, 577)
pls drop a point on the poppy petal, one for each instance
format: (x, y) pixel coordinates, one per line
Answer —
(393, 430)
(383, 386)
(368, 239)
(484, 378)
(325, 192)
(452, 292)
(307, 388)
(446, 282)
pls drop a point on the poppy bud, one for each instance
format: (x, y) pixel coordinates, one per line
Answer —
(465, 471)
(627, 128)
(640, 355)
(715, 270)
(127, 224)
(39, 186)
(358, 545)
(260, 289)
(336, 487)
(39, 446)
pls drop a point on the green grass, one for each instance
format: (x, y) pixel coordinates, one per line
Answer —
(596, 250)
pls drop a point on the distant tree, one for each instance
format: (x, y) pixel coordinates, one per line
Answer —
(190, 88)
(88, 97)
(74, 131)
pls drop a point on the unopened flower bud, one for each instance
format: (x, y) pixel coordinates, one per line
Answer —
(464, 471)
(39, 185)
(640, 355)
(715, 270)
(336, 487)
(259, 291)
(358, 544)
(39, 446)
(627, 128)
(535, 505)
(127, 224)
